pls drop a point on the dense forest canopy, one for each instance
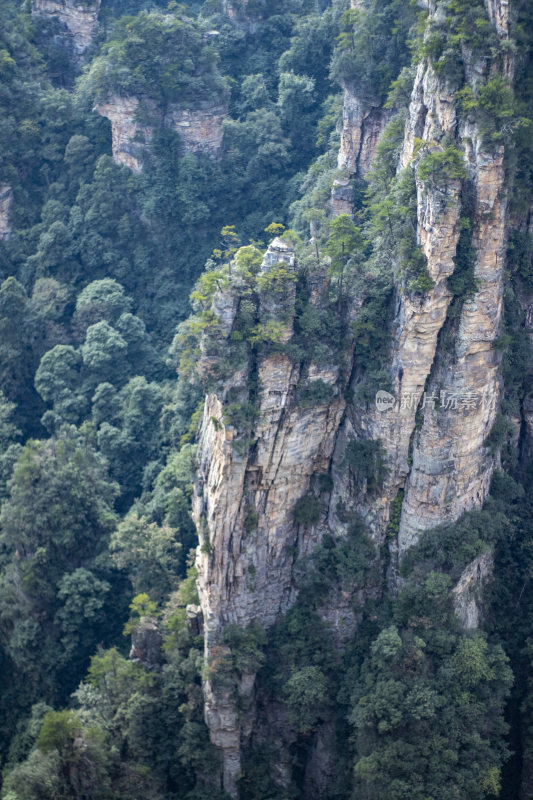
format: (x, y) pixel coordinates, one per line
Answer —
(109, 284)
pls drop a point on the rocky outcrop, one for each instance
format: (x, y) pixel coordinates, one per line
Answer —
(128, 137)
(418, 318)
(445, 402)
(452, 469)
(195, 619)
(467, 593)
(444, 388)
(525, 300)
(239, 13)
(6, 200)
(362, 126)
(79, 18)
(200, 129)
(146, 643)
(244, 504)
(498, 11)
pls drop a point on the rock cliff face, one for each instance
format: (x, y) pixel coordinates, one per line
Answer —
(244, 505)
(451, 467)
(6, 199)
(146, 643)
(200, 128)
(446, 401)
(467, 592)
(239, 13)
(79, 17)
(362, 125)
(525, 300)
(498, 11)
(443, 371)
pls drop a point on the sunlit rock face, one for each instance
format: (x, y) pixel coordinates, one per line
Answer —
(445, 378)
(244, 502)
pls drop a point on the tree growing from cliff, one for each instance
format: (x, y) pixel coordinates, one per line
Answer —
(343, 241)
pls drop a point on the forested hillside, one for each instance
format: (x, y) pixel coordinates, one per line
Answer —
(229, 231)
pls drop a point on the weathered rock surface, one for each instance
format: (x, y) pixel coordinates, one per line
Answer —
(146, 643)
(80, 18)
(6, 200)
(443, 467)
(498, 11)
(467, 593)
(418, 318)
(239, 13)
(128, 137)
(244, 508)
(195, 619)
(362, 125)
(452, 469)
(200, 129)
(446, 386)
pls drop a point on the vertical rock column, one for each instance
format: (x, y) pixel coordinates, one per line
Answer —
(243, 508)
(362, 125)
(452, 468)
(6, 200)
(418, 318)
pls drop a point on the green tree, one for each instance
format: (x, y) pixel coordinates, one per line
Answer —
(343, 241)
(133, 438)
(104, 352)
(102, 300)
(54, 525)
(19, 352)
(58, 381)
(306, 695)
(428, 707)
(9, 446)
(69, 761)
(151, 554)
